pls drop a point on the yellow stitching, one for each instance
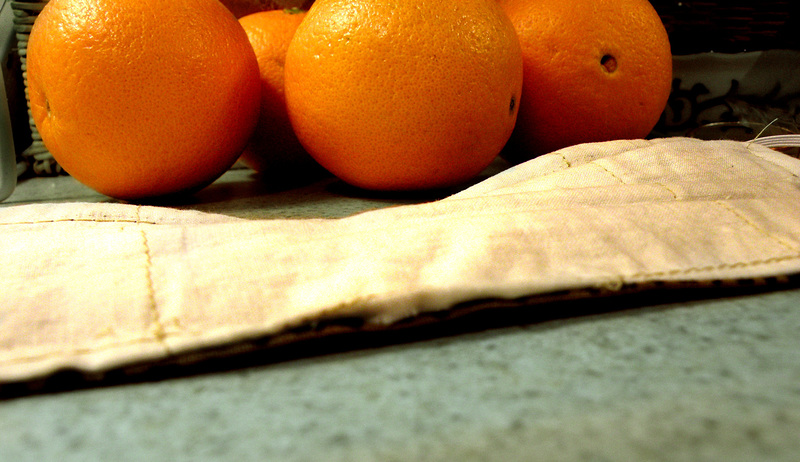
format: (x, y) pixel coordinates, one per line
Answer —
(564, 158)
(761, 230)
(80, 220)
(756, 154)
(158, 328)
(722, 266)
(674, 194)
(609, 172)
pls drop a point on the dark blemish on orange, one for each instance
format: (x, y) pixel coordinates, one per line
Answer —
(609, 63)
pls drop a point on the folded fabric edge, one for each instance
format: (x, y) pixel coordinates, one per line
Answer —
(521, 171)
(341, 334)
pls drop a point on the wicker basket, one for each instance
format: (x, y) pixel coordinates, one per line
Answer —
(723, 26)
(730, 26)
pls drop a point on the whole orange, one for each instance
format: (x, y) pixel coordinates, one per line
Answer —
(274, 147)
(404, 95)
(595, 70)
(138, 99)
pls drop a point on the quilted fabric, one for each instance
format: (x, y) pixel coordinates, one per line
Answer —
(96, 286)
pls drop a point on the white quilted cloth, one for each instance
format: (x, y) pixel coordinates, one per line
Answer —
(98, 286)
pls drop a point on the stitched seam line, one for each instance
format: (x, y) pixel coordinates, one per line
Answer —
(608, 171)
(783, 243)
(566, 161)
(674, 194)
(709, 268)
(157, 327)
(757, 154)
(82, 220)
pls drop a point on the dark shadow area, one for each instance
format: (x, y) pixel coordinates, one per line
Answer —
(234, 184)
(342, 189)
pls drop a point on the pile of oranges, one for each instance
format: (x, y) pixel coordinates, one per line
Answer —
(138, 99)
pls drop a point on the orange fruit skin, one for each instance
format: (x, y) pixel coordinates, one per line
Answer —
(274, 147)
(569, 97)
(137, 100)
(404, 95)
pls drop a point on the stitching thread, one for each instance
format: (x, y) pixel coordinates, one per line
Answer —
(608, 171)
(669, 190)
(566, 161)
(759, 229)
(83, 220)
(721, 266)
(760, 156)
(158, 329)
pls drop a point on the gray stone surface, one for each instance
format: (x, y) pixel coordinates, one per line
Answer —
(708, 380)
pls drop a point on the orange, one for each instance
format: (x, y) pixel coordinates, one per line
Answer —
(136, 98)
(404, 95)
(274, 147)
(595, 70)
